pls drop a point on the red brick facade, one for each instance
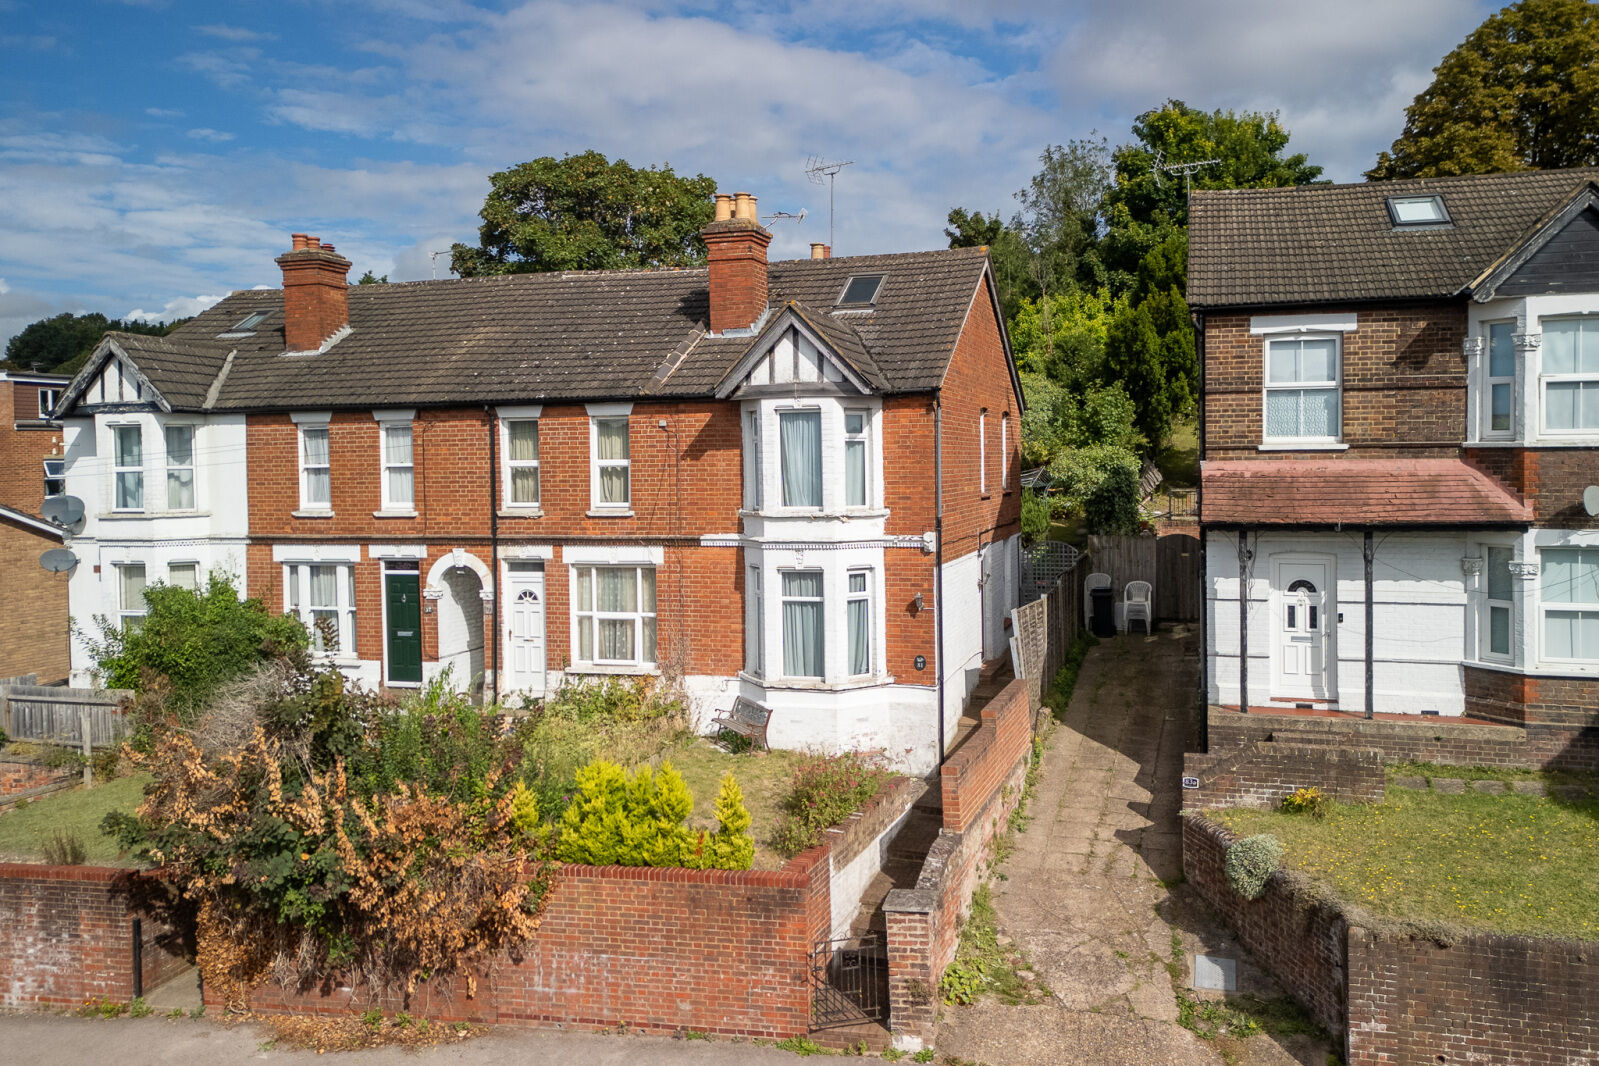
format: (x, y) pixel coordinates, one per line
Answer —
(1550, 479)
(25, 442)
(34, 602)
(1261, 773)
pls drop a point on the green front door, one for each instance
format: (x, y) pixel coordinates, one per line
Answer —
(402, 594)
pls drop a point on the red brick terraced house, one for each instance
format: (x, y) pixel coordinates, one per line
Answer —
(794, 482)
(1400, 427)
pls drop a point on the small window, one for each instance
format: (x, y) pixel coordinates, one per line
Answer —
(860, 623)
(856, 457)
(184, 576)
(316, 483)
(1500, 605)
(754, 659)
(1499, 382)
(802, 623)
(47, 401)
(399, 475)
(248, 324)
(55, 477)
(752, 456)
(982, 452)
(1417, 210)
(1004, 452)
(612, 476)
(180, 468)
(522, 462)
(861, 291)
(130, 595)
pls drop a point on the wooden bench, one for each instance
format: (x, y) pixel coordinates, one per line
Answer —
(746, 718)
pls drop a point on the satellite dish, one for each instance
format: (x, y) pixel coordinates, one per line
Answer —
(1590, 499)
(64, 511)
(58, 559)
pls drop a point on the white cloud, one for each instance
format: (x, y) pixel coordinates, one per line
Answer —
(224, 32)
(4, 288)
(214, 136)
(163, 112)
(181, 307)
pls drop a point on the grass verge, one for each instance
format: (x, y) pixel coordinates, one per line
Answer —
(1178, 458)
(1509, 863)
(79, 811)
(1433, 771)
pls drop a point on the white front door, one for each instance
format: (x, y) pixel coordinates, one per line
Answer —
(524, 630)
(1305, 613)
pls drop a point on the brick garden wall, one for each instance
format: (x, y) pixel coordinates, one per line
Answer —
(19, 776)
(1261, 773)
(1535, 746)
(67, 937)
(982, 781)
(1397, 998)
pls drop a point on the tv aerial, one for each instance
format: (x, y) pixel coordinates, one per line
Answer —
(1187, 170)
(816, 169)
(786, 216)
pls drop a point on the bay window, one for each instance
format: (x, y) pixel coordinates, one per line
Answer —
(1499, 381)
(180, 468)
(800, 443)
(1500, 605)
(1302, 393)
(613, 613)
(127, 446)
(753, 471)
(322, 595)
(803, 643)
(754, 613)
(857, 457)
(1570, 378)
(859, 607)
(1569, 595)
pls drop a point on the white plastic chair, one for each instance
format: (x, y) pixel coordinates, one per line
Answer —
(1135, 604)
(1095, 581)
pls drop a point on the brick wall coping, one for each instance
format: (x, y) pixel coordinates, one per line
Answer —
(970, 752)
(1300, 723)
(860, 828)
(796, 873)
(37, 871)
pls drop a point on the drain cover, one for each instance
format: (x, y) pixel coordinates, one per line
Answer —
(1213, 972)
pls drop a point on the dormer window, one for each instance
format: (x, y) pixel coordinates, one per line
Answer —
(1417, 210)
(861, 291)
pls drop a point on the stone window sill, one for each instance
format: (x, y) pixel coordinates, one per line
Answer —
(311, 514)
(608, 512)
(795, 684)
(614, 668)
(393, 514)
(521, 512)
(1307, 446)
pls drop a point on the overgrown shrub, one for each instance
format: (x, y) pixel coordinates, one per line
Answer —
(65, 848)
(1101, 483)
(1251, 862)
(1311, 801)
(637, 819)
(1036, 516)
(824, 790)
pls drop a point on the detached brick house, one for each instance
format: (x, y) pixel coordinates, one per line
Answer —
(1400, 425)
(793, 482)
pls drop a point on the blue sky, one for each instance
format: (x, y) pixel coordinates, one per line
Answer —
(155, 154)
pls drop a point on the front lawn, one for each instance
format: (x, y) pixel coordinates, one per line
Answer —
(24, 830)
(1512, 863)
(763, 775)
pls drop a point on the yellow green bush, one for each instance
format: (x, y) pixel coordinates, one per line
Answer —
(637, 819)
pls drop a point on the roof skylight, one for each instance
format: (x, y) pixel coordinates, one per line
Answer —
(1417, 210)
(861, 290)
(252, 320)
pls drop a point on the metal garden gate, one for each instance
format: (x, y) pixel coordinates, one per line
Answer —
(849, 981)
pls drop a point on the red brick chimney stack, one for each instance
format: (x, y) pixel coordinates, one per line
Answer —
(735, 244)
(316, 299)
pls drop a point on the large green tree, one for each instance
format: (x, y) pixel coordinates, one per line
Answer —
(1007, 248)
(584, 212)
(1520, 92)
(62, 344)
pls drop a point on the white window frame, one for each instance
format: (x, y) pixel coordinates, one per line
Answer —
(385, 430)
(1545, 379)
(58, 475)
(178, 468)
(176, 565)
(1546, 606)
(754, 472)
(609, 412)
(1485, 651)
(784, 599)
(982, 452)
(117, 469)
(1335, 384)
(821, 418)
(304, 428)
(852, 597)
(1004, 452)
(47, 402)
(591, 613)
(519, 417)
(1490, 381)
(297, 601)
(864, 439)
(754, 623)
(136, 613)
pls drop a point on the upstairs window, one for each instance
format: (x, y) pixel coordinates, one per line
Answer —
(857, 426)
(55, 477)
(522, 462)
(1499, 381)
(1569, 595)
(47, 401)
(800, 441)
(1302, 397)
(612, 472)
(127, 446)
(1004, 452)
(1417, 210)
(861, 290)
(316, 482)
(982, 451)
(399, 474)
(753, 472)
(180, 468)
(1570, 378)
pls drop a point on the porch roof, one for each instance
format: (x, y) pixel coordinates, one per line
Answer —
(1354, 492)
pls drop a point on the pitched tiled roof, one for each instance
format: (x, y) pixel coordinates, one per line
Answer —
(592, 335)
(1335, 243)
(1354, 492)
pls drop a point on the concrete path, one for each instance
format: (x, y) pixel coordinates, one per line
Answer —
(1090, 894)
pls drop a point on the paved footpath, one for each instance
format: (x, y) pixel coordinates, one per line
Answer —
(1086, 895)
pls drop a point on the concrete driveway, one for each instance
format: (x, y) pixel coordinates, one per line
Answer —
(1091, 893)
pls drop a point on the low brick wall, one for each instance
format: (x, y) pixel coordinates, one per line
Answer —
(1262, 772)
(982, 784)
(1396, 997)
(66, 936)
(1535, 746)
(27, 778)
(858, 847)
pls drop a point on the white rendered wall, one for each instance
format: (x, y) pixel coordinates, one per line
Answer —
(961, 615)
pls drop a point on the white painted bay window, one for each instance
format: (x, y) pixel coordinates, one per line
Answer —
(127, 457)
(180, 467)
(316, 480)
(1569, 597)
(1500, 605)
(184, 576)
(859, 607)
(614, 615)
(800, 443)
(1302, 392)
(399, 470)
(803, 624)
(1499, 382)
(754, 615)
(522, 462)
(322, 595)
(1570, 378)
(130, 595)
(857, 458)
(754, 472)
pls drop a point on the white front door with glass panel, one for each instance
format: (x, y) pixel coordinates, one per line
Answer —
(524, 630)
(1302, 666)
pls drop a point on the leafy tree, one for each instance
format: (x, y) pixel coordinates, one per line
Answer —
(62, 344)
(1134, 357)
(1520, 92)
(1063, 335)
(1100, 482)
(1060, 213)
(584, 212)
(1007, 249)
(370, 278)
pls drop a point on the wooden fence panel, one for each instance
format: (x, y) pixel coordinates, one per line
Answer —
(52, 715)
(1044, 629)
(1179, 582)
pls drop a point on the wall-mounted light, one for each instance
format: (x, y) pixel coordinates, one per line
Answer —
(916, 603)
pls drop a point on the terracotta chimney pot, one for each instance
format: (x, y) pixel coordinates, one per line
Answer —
(299, 240)
(744, 206)
(818, 250)
(724, 206)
